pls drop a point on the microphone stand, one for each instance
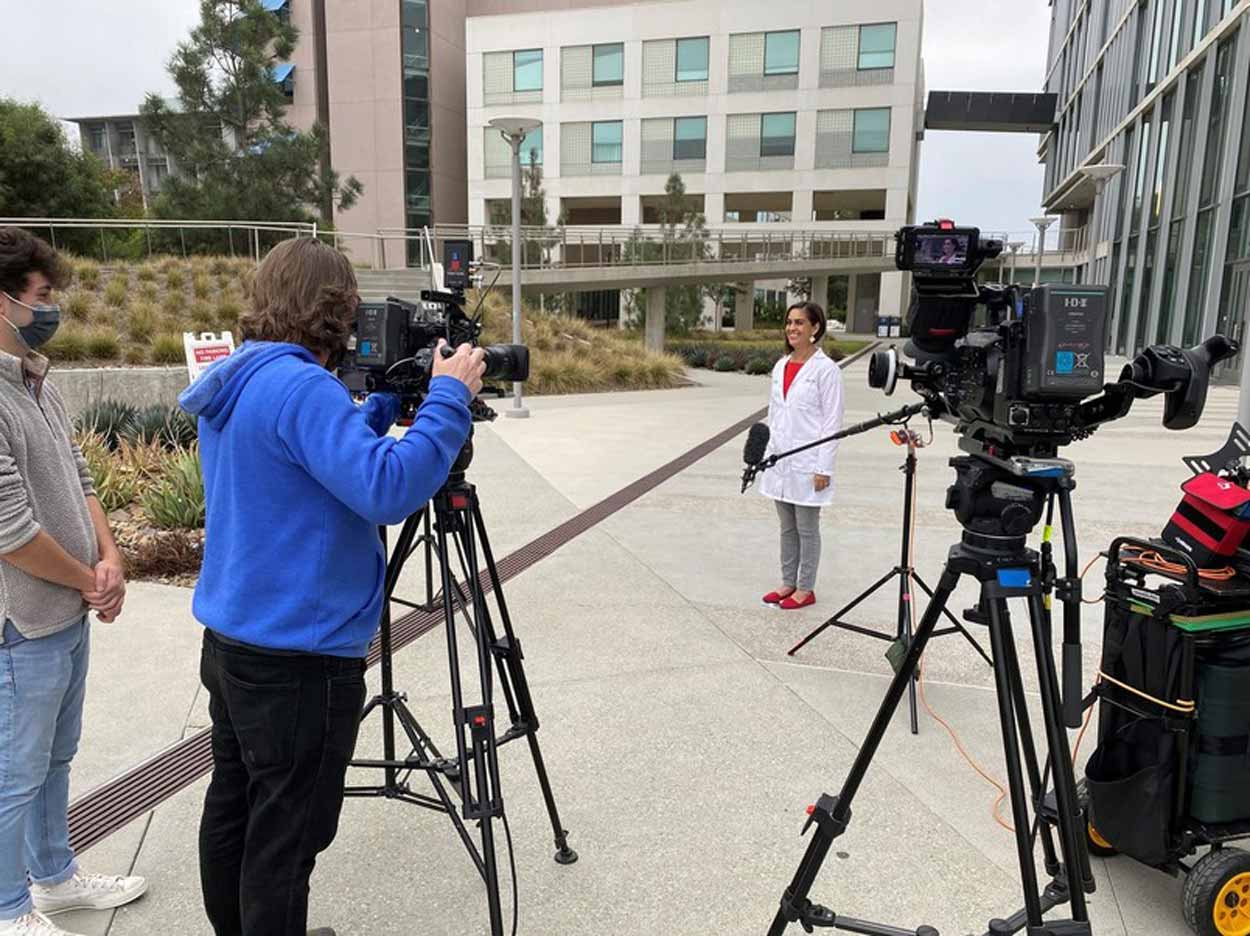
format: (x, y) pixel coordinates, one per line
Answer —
(898, 416)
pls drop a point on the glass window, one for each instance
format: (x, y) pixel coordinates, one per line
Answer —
(1156, 42)
(781, 53)
(417, 86)
(872, 131)
(1200, 21)
(527, 70)
(605, 141)
(1220, 96)
(1161, 158)
(1174, 43)
(609, 65)
(1139, 180)
(413, 13)
(416, 52)
(876, 46)
(1163, 330)
(416, 113)
(1196, 298)
(692, 59)
(1184, 164)
(1126, 298)
(532, 148)
(777, 134)
(690, 138)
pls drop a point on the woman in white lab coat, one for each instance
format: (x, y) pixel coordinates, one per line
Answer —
(805, 405)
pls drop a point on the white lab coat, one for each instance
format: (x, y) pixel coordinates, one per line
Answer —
(811, 411)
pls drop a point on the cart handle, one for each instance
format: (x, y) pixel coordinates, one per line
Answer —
(1168, 552)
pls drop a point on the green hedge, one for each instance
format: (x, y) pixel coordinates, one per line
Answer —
(754, 357)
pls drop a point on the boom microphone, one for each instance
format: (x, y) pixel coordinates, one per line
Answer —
(753, 452)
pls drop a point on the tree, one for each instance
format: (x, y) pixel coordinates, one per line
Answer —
(237, 156)
(42, 176)
(533, 216)
(838, 286)
(683, 237)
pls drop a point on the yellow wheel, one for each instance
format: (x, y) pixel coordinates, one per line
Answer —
(1097, 845)
(1217, 894)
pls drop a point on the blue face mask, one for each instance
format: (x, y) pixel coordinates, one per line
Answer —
(47, 319)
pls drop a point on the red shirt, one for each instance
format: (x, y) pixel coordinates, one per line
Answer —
(792, 371)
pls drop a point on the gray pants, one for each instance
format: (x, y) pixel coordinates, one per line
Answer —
(800, 545)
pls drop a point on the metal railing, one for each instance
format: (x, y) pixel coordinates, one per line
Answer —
(566, 247)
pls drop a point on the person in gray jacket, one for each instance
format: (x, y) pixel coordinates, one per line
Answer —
(57, 561)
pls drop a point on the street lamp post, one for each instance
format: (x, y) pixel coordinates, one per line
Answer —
(1041, 224)
(1101, 174)
(514, 131)
(1015, 253)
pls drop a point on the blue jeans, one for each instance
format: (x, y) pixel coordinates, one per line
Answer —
(42, 684)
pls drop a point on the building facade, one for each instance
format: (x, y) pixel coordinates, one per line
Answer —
(121, 143)
(1160, 88)
(780, 116)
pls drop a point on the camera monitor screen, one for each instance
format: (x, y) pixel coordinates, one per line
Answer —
(945, 250)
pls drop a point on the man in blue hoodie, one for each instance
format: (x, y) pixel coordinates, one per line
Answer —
(297, 480)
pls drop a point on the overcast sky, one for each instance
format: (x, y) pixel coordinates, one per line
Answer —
(84, 58)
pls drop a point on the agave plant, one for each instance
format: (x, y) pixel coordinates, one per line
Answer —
(176, 502)
(111, 420)
(168, 427)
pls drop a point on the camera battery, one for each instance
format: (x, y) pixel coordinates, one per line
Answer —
(1065, 334)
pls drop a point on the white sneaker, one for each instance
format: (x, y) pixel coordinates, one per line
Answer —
(87, 892)
(33, 924)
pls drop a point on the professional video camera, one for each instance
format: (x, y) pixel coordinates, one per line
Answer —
(394, 343)
(1022, 381)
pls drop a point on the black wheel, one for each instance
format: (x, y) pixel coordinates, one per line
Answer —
(1098, 846)
(1217, 894)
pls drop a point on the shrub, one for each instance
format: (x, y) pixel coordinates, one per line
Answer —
(87, 273)
(169, 264)
(174, 279)
(114, 486)
(173, 303)
(117, 291)
(135, 355)
(103, 344)
(68, 344)
(725, 363)
(220, 266)
(168, 427)
(698, 357)
(110, 420)
(229, 310)
(759, 365)
(147, 272)
(78, 305)
(167, 348)
(176, 501)
(201, 286)
(141, 321)
(149, 292)
(166, 552)
(144, 461)
(202, 316)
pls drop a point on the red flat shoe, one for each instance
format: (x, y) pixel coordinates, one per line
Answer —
(775, 598)
(789, 604)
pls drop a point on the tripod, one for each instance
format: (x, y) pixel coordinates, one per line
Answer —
(456, 532)
(902, 636)
(998, 503)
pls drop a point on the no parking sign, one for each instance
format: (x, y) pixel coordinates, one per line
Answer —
(205, 348)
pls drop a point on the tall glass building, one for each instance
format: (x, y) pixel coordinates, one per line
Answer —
(1159, 87)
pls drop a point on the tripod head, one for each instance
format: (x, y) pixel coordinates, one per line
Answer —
(998, 503)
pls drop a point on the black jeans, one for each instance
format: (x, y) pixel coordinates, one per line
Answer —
(284, 728)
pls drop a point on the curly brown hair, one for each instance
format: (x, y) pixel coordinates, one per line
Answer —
(22, 253)
(304, 293)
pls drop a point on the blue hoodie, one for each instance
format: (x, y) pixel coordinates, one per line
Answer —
(297, 480)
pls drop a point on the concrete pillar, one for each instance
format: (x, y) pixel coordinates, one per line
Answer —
(655, 318)
(852, 302)
(744, 307)
(820, 292)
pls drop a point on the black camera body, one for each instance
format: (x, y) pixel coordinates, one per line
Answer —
(1021, 381)
(395, 341)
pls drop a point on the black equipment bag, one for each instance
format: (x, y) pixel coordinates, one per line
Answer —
(1131, 778)
(1220, 767)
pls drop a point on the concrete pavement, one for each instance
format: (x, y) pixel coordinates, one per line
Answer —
(682, 742)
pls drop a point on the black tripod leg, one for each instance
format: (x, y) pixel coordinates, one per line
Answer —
(1067, 807)
(832, 815)
(905, 596)
(1011, 748)
(1036, 780)
(517, 691)
(956, 626)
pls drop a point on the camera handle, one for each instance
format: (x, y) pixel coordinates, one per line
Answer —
(897, 416)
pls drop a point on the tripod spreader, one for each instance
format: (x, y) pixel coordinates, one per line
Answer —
(881, 419)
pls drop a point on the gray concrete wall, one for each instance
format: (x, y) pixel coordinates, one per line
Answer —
(140, 386)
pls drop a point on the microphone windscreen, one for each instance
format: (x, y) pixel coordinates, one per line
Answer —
(756, 444)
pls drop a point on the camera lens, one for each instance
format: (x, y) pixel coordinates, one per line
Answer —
(883, 371)
(510, 362)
